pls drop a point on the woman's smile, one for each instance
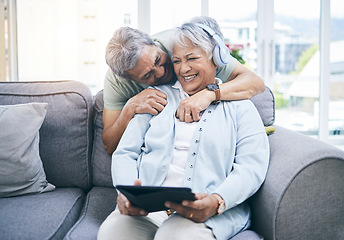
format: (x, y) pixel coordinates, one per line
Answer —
(190, 78)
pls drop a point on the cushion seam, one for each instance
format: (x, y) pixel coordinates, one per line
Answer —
(63, 220)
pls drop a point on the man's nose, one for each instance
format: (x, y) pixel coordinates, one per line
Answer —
(159, 71)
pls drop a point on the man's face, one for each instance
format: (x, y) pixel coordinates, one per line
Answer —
(153, 68)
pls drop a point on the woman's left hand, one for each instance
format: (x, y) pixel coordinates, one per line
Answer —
(204, 207)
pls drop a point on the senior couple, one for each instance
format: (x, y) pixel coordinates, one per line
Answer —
(183, 131)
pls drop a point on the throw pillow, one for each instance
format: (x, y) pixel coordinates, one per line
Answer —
(21, 168)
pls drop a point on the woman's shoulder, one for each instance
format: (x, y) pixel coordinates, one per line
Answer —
(246, 103)
(241, 107)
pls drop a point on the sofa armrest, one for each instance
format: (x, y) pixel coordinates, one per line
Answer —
(302, 196)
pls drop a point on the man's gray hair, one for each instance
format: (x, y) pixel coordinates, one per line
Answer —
(124, 50)
(197, 35)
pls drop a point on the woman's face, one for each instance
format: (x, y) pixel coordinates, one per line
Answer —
(193, 67)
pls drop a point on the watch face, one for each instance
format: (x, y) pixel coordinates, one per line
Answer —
(212, 87)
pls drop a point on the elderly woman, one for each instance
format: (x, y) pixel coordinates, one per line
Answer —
(223, 158)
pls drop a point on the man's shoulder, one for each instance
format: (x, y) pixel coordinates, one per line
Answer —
(162, 35)
(162, 40)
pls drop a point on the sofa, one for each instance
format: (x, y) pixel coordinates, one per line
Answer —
(301, 198)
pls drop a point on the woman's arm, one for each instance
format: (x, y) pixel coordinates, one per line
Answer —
(251, 158)
(124, 168)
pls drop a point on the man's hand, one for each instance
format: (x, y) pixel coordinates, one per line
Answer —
(116, 121)
(126, 208)
(149, 100)
(189, 109)
(201, 209)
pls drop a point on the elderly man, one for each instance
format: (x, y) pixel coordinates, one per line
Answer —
(137, 61)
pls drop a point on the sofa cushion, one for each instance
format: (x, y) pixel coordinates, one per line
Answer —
(66, 133)
(100, 202)
(265, 104)
(101, 161)
(40, 216)
(247, 235)
(21, 169)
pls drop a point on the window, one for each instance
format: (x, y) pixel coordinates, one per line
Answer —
(66, 39)
(169, 14)
(3, 41)
(280, 40)
(296, 78)
(238, 22)
(336, 101)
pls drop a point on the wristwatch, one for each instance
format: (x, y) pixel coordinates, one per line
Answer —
(215, 88)
(221, 207)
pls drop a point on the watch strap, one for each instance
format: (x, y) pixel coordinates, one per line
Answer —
(214, 87)
(217, 95)
(221, 204)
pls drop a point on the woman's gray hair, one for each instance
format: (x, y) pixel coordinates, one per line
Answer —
(124, 50)
(197, 35)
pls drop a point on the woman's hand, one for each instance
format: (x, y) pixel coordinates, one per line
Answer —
(125, 207)
(204, 207)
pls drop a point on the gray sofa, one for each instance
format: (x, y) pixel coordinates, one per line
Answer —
(301, 198)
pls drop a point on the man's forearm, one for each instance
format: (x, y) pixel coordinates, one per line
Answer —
(243, 86)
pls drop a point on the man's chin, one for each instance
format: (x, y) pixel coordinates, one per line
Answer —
(165, 80)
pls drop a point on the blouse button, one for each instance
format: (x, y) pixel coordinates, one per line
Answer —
(200, 129)
(197, 141)
(189, 178)
(209, 111)
(193, 154)
(191, 165)
(204, 120)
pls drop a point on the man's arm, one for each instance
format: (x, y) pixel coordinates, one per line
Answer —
(241, 84)
(115, 121)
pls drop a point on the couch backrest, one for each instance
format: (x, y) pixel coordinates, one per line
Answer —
(101, 161)
(265, 104)
(66, 134)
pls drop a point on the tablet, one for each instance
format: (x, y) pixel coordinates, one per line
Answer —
(152, 199)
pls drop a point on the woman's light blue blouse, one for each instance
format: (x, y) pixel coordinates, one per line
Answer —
(229, 155)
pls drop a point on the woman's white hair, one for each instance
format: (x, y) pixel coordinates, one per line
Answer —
(197, 35)
(124, 50)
